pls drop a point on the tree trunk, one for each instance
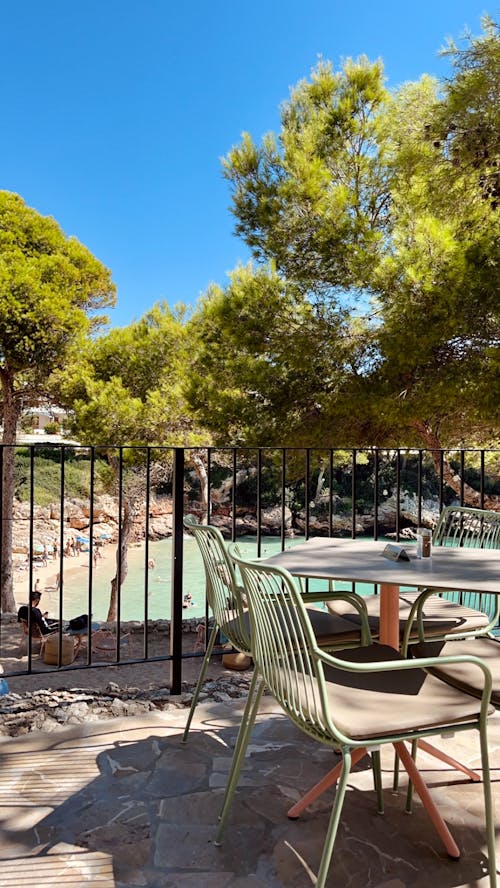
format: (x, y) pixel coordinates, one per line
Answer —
(201, 471)
(10, 417)
(319, 485)
(129, 511)
(450, 477)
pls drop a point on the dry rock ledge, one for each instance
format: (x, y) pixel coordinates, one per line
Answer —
(47, 709)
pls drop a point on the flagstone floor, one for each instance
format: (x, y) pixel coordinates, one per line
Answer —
(125, 803)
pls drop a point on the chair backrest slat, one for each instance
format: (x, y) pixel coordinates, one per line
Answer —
(463, 526)
(222, 589)
(467, 527)
(284, 646)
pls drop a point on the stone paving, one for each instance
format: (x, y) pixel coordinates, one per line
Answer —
(124, 803)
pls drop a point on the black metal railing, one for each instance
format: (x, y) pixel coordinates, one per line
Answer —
(265, 493)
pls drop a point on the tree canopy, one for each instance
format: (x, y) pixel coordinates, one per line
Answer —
(372, 314)
(126, 388)
(52, 290)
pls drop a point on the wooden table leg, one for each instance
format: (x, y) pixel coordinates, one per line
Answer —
(328, 780)
(389, 615)
(449, 760)
(427, 801)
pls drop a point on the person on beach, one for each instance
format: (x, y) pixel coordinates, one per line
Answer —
(37, 618)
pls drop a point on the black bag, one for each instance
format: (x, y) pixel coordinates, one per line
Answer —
(80, 622)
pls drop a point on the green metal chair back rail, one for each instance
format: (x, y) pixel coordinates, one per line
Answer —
(224, 597)
(226, 601)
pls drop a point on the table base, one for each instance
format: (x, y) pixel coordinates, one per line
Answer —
(331, 778)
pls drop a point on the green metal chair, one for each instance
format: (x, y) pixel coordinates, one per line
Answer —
(354, 701)
(464, 527)
(230, 616)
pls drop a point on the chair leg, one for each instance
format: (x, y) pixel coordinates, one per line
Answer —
(247, 722)
(77, 647)
(488, 806)
(409, 791)
(334, 820)
(249, 714)
(199, 683)
(395, 777)
(23, 645)
(377, 779)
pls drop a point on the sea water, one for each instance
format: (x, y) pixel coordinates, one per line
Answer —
(142, 583)
(154, 584)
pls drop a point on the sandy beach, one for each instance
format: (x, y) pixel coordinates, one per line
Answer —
(75, 572)
(75, 569)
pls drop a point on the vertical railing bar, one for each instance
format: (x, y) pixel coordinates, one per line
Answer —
(259, 501)
(61, 583)
(462, 480)
(209, 515)
(91, 554)
(481, 481)
(146, 556)
(398, 493)
(307, 502)
(177, 572)
(441, 480)
(233, 497)
(354, 493)
(419, 488)
(353, 501)
(283, 497)
(375, 492)
(61, 529)
(307, 497)
(330, 497)
(30, 552)
(119, 561)
(209, 484)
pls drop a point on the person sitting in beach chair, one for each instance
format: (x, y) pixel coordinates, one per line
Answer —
(45, 625)
(38, 626)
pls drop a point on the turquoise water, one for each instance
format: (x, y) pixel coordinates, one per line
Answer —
(158, 581)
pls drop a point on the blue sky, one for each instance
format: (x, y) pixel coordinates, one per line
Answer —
(116, 113)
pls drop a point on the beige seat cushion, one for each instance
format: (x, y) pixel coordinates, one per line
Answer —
(465, 676)
(388, 703)
(440, 614)
(330, 630)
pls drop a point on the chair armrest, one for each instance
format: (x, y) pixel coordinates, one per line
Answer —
(399, 664)
(416, 617)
